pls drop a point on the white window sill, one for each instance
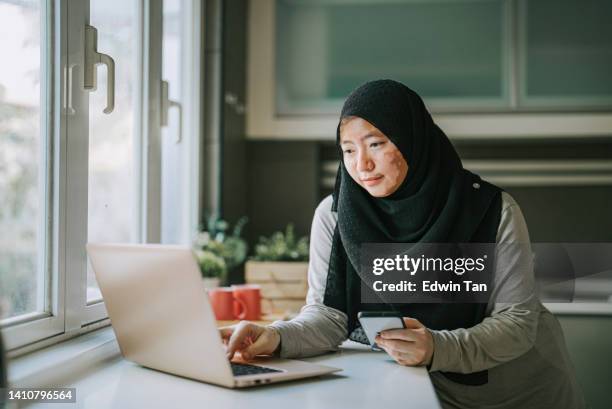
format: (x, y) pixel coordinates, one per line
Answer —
(59, 364)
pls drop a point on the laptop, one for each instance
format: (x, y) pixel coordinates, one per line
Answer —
(159, 310)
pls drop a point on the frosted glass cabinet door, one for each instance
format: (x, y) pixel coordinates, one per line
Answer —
(568, 58)
(452, 52)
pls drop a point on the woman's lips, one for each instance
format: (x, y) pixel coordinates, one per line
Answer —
(372, 181)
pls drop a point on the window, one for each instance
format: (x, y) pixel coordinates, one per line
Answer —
(24, 160)
(73, 171)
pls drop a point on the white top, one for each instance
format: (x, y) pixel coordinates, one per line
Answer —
(520, 343)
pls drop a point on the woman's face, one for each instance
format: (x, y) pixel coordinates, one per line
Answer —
(372, 160)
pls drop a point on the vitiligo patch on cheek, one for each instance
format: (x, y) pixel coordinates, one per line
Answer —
(397, 164)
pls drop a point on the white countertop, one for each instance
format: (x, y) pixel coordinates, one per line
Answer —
(368, 380)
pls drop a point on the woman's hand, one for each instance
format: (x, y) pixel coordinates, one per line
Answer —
(249, 339)
(410, 346)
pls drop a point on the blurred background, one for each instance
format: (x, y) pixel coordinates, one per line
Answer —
(521, 87)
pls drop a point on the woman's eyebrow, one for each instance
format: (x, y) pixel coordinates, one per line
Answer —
(363, 138)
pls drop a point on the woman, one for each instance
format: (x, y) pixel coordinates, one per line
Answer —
(401, 181)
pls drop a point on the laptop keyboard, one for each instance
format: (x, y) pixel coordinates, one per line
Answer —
(246, 369)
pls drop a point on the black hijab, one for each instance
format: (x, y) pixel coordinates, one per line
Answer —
(438, 202)
(426, 207)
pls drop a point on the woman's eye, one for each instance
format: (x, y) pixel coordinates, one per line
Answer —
(376, 144)
(348, 151)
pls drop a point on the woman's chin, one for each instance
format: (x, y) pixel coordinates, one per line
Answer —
(377, 191)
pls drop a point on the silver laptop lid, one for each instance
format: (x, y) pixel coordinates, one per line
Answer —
(159, 309)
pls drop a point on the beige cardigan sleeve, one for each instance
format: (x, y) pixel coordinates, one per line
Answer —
(318, 328)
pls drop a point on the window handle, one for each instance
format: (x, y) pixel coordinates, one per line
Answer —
(167, 103)
(93, 58)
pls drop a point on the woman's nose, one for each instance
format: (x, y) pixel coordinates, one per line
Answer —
(364, 163)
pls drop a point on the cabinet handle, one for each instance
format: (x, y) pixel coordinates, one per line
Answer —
(93, 58)
(167, 103)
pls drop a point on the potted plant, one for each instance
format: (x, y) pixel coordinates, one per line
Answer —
(280, 267)
(218, 252)
(212, 267)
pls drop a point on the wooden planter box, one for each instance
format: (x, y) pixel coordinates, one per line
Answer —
(284, 284)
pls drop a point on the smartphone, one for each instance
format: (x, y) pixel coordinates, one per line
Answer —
(374, 322)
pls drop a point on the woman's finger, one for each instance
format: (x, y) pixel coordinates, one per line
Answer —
(396, 345)
(398, 356)
(402, 357)
(238, 340)
(402, 334)
(413, 323)
(226, 332)
(403, 352)
(260, 346)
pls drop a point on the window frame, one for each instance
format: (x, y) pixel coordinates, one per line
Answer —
(28, 328)
(189, 101)
(67, 312)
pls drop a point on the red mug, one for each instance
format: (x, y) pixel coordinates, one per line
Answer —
(222, 302)
(247, 302)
